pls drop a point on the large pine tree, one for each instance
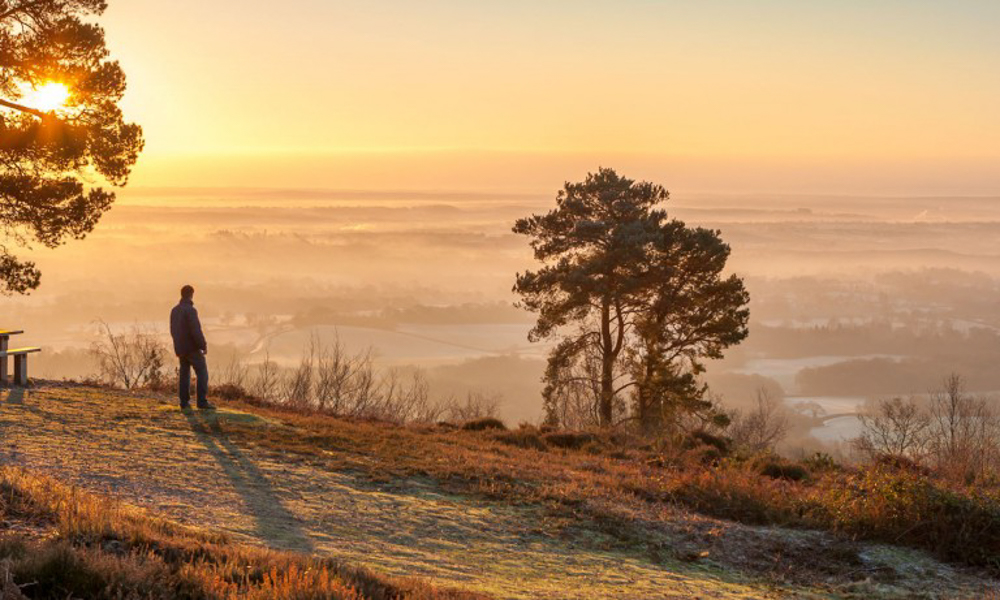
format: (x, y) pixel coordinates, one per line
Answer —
(48, 158)
(635, 299)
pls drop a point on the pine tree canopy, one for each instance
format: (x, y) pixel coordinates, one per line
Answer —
(50, 155)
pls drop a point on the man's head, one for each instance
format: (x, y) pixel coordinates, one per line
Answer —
(187, 292)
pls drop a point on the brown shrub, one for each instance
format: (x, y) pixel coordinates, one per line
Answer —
(230, 392)
(570, 440)
(778, 469)
(704, 438)
(901, 463)
(522, 438)
(956, 523)
(484, 424)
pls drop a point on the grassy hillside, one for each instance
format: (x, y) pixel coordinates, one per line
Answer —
(258, 500)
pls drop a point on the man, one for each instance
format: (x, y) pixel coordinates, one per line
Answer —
(190, 347)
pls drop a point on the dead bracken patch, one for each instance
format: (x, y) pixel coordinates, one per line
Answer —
(104, 549)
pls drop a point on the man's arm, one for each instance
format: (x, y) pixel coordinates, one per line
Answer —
(196, 333)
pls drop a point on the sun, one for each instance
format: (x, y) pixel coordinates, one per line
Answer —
(49, 97)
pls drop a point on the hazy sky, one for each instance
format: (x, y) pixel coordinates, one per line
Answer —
(781, 94)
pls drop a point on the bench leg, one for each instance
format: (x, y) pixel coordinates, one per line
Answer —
(3, 361)
(21, 370)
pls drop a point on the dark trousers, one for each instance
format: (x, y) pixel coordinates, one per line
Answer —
(196, 360)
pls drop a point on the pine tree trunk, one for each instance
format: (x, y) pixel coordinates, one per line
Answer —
(607, 366)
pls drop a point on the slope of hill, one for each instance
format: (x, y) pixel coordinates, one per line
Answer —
(461, 510)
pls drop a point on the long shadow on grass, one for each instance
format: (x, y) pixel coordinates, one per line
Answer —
(15, 396)
(274, 523)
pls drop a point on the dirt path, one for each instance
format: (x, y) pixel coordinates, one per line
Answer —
(150, 454)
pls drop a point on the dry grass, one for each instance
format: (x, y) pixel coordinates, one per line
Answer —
(602, 477)
(605, 491)
(69, 543)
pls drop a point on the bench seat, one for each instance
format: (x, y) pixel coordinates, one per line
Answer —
(20, 363)
(16, 351)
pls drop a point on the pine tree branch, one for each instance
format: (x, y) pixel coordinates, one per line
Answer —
(22, 108)
(20, 8)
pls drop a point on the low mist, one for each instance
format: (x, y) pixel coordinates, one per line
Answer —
(852, 299)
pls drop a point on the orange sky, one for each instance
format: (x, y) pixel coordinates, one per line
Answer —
(898, 96)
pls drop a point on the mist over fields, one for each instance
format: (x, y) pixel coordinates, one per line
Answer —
(852, 297)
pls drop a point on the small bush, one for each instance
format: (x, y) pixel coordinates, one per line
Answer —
(707, 455)
(821, 462)
(896, 462)
(955, 523)
(484, 424)
(230, 391)
(522, 438)
(781, 470)
(703, 438)
(571, 440)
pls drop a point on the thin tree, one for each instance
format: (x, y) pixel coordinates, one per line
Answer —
(47, 155)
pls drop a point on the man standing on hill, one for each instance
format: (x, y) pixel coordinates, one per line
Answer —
(190, 347)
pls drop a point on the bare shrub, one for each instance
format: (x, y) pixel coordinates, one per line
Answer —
(235, 373)
(893, 427)
(963, 431)
(330, 379)
(477, 405)
(957, 435)
(404, 398)
(759, 429)
(266, 380)
(298, 388)
(130, 359)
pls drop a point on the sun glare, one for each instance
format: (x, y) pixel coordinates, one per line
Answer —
(51, 96)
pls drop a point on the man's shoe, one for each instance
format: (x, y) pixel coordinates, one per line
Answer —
(185, 406)
(205, 406)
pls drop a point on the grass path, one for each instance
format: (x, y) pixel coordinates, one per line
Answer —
(185, 466)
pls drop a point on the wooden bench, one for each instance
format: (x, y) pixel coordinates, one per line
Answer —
(20, 358)
(20, 363)
(4, 344)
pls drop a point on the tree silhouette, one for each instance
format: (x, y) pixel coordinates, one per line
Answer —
(635, 298)
(47, 159)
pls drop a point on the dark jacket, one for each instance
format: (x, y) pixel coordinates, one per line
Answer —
(185, 328)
